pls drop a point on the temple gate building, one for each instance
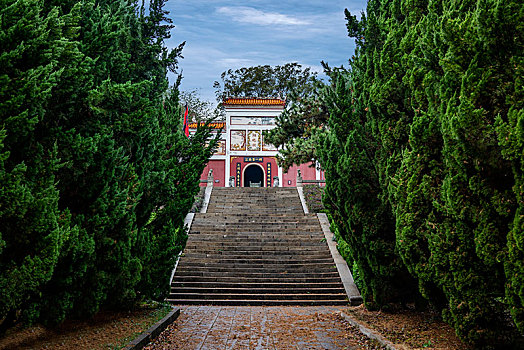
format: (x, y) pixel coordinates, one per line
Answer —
(242, 151)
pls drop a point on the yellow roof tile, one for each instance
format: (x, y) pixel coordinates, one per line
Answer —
(253, 101)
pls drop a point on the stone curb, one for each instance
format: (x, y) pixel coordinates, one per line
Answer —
(207, 198)
(188, 221)
(153, 332)
(351, 289)
(300, 191)
(370, 333)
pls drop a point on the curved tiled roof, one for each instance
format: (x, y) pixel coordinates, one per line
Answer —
(253, 101)
(215, 125)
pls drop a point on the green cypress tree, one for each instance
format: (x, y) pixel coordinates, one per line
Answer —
(453, 190)
(511, 138)
(115, 152)
(92, 181)
(173, 184)
(510, 129)
(427, 134)
(355, 199)
(32, 227)
(96, 175)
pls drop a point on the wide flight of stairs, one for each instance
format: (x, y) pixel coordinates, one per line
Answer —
(255, 246)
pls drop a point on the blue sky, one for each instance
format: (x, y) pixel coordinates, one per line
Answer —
(223, 35)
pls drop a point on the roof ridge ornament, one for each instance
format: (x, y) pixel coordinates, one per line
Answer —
(254, 101)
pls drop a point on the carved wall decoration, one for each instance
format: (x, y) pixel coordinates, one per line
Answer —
(254, 140)
(253, 120)
(221, 148)
(238, 140)
(268, 146)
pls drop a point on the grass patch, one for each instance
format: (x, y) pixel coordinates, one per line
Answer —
(313, 197)
(106, 330)
(199, 201)
(154, 314)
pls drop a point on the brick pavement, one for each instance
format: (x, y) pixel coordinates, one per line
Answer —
(259, 327)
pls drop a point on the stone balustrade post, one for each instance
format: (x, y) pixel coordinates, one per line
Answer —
(299, 178)
(210, 178)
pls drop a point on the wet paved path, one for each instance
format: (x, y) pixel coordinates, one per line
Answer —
(264, 327)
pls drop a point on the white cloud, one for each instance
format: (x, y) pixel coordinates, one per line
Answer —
(254, 16)
(236, 62)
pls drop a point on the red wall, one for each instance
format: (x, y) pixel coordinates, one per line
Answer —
(308, 173)
(243, 164)
(219, 172)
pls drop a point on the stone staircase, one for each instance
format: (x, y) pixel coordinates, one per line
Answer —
(255, 246)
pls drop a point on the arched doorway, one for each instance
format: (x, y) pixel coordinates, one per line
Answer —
(254, 176)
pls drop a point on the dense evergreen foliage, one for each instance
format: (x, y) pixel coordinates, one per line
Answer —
(266, 81)
(200, 110)
(96, 176)
(299, 125)
(424, 159)
(355, 197)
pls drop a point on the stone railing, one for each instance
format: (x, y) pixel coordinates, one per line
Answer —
(301, 181)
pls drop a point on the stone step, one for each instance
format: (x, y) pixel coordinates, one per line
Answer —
(270, 234)
(275, 250)
(291, 261)
(242, 254)
(275, 199)
(251, 210)
(234, 217)
(256, 245)
(253, 198)
(246, 242)
(255, 227)
(260, 246)
(240, 291)
(260, 226)
(262, 191)
(283, 202)
(250, 221)
(259, 296)
(262, 264)
(251, 302)
(268, 269)
(286, 260)
(301, 255)
(275, 223)
(259, 241)
(257, 233)
(282, 192)
(267, 203)
(257, 230)
(251, 237)
(253, 286)
(250, 201)
(288, 203)
(252, 279)
(254, 216)
(256, 285)
(258, 275)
